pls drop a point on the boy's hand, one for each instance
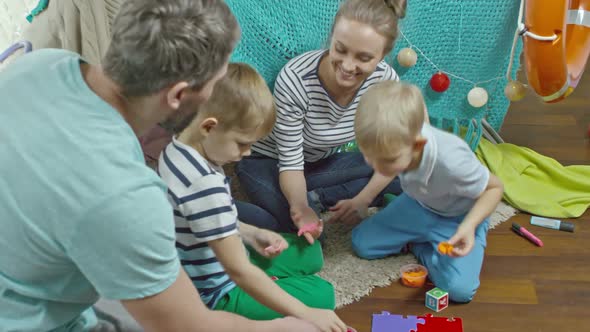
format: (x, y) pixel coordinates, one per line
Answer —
(349, 211)
(307, 216)
(268, 243)
(324, 319)
(462, 241)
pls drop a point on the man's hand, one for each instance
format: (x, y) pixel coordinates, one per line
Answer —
(326, 320)
(291, 324)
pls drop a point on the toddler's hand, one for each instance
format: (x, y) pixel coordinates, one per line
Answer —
(268, 243)
(462, 241)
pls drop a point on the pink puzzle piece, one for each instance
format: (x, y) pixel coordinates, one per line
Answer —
(440, 324)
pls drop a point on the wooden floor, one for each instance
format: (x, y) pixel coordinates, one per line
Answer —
(523, 287)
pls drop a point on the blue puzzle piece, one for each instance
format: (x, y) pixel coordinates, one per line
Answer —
(386, 322)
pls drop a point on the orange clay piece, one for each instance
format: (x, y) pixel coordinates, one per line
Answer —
(445, 248)
(413, 278)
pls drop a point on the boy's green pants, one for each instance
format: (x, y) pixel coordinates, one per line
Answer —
(295, 269)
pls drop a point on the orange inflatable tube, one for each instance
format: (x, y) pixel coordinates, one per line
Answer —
(556, 40)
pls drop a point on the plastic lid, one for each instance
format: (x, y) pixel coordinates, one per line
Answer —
(566, 226)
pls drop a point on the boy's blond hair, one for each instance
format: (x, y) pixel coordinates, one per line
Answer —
(389, 116)
(241, 100)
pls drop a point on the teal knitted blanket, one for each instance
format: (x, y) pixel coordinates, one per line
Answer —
(470, 39)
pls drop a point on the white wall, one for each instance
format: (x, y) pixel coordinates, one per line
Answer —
(13, 20)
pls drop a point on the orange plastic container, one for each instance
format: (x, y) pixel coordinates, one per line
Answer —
(413, 275)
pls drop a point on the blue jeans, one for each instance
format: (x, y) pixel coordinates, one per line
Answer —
(337, 177)
(406, 221)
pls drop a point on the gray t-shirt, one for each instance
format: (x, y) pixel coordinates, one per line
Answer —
(450, 177)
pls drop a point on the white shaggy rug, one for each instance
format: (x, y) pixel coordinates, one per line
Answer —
(354, 277)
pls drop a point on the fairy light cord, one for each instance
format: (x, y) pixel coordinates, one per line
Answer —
(438, 69)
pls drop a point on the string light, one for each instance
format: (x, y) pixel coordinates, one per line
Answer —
(439, 82)
(438, 69)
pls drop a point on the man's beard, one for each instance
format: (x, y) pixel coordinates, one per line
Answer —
(180, 120)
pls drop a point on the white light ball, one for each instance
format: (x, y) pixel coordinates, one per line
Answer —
(477, 97)
(407, 57)
(514, 91)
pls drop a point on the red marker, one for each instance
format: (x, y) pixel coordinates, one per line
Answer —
(522, 231)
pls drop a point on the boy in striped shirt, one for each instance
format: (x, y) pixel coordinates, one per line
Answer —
(208, 233)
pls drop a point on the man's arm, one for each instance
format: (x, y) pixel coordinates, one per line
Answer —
(179, 308)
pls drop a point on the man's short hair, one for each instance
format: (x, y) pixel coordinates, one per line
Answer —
(157, 43)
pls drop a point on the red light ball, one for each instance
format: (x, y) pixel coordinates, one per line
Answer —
(440, 82)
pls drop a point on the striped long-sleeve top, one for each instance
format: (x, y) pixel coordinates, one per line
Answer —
(310, 125)
(203, 211)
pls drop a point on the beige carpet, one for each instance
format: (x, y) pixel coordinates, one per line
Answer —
(354, 278)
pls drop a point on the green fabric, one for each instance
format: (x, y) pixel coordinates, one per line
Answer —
(388, 198)
(535, 183)
(296, 270)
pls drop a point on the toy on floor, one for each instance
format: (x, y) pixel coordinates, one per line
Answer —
(413, 275)
(385, 322)
(445, 248)
(526, 234)
(552, 223)
(437, 299)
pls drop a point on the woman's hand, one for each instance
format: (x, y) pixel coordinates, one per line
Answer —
(307, 216)
(349, 211)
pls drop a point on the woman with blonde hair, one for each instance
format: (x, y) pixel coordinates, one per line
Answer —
(296, 173)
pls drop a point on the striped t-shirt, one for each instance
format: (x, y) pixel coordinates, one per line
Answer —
(310, 126)
(203, 211)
